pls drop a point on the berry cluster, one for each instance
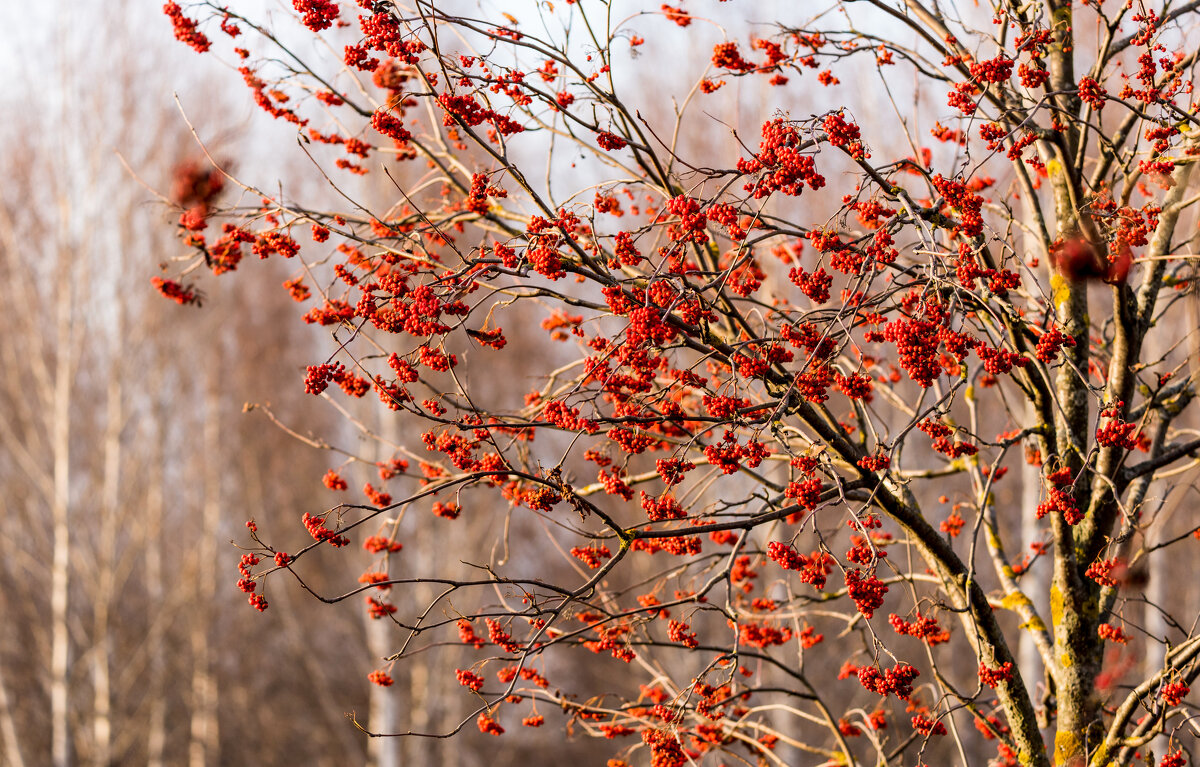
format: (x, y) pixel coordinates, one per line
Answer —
(175, 291)
(680, 632)
(1050, 343)
(1106, 572)
(567, 418)
(1173, 759)
(467, 635)
(610, 142)
(866, 590)
(806, 493)
(779, 153)
(377, 609)
(815, 285)
(185, 28)
(761, 634)
(677, 15)
(593, 556)
(916, 344)
(965, 203)
(924, 628)
(665, 750)
(317, 15)
(247, 583)
(995, 676)
(952, 526)
(813, 569)
(1117, 432)
(1092, 92)
(489, 726)
(1060, 498)
(861, 552)
(1033, 75)
(624, 251)
(1173, 693)
(662, 509)
(845, 135)
(381, 678)
(855, 386)
(896, 680)
(878, 461)
(469, 679)
(926, 726)
(378, 544)
(728, 454)
(378, 498)
(690, 227)
(997, 361)
(317, 529)
(727, 56)
(995, 70)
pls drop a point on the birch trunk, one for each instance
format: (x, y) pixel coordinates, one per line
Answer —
(60, 569)
(156, 733)
(383, 752)
(106, 562)
(8, 730)
(202, 748)
(384, 717)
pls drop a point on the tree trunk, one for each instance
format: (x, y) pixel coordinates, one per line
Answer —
(203, 746)
(156, 731)
(384, 752)
(105, 563)
(1035, 582)
(8, 729)
(60, 568)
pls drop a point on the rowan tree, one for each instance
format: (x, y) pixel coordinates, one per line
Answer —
(782, 387)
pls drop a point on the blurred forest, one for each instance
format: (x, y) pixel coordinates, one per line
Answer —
(126, 464)
(135, 441)
(128, 461)
(125, 461)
